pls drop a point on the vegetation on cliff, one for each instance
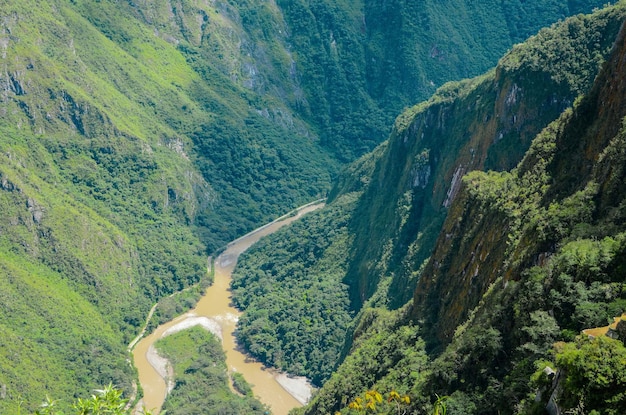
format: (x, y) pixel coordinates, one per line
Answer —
(400, 195)
(138, 136)
(361, 62)
(525, 261)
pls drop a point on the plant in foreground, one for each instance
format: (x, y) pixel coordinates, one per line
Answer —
(373, 402)
(107, 401)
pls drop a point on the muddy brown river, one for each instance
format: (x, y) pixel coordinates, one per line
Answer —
(215, 312)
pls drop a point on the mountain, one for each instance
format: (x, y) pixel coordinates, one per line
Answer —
(526, 259)
(391, 208)
(137, 137)
(362, 62)
(486, 123)
(121, 169)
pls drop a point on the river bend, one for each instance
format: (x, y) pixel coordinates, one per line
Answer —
(215, 313)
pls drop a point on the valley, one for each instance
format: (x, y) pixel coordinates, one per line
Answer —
(215, 312)
(471, 160)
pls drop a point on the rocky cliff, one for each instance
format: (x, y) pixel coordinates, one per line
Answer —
(525, 260)
(484, 123)
(484, 239)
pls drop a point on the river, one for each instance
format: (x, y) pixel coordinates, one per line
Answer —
(215, 312)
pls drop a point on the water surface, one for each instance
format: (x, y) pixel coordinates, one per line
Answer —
(216, 305)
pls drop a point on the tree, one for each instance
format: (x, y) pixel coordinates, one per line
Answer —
(594, 375)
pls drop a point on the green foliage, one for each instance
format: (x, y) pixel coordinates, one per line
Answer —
(541, 332)
(176, 304)
(577, 63)
(524, 260)
(109, 137)
(594, 375)
(361, 63)
(461, 366)
(240, 384)
(261, 171)
(289, 285)
(107, 401)
(387, 354)
(200, 372)
(103, 176)
(484, 123)
(578, 287)
(53, 340)
(584, 291)
(135, 137)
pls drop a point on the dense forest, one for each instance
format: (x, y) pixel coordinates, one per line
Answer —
(387, 210)
(525, 261)
(202, 384)
(139, 137)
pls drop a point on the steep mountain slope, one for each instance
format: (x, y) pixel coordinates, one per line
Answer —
(525, 259)
(135, 137)
(397, 198)
(486, 123)
(341, 71)
(361, 62)
(561, 270)
(103, 180)
(243, 139)
(566, 184)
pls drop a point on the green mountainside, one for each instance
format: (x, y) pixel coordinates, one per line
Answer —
(526, 260)
(121, 167)
(361, 62)
(483, 123)
(387, 210)
(137, 137)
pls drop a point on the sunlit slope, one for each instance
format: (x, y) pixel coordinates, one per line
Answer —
(103, 128)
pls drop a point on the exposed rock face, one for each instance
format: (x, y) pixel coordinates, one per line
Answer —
(479, 245)
(36, 210)
(6, 184)
(620, 330)
(482, 124)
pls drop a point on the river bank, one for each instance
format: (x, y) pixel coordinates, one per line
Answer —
(215, 313)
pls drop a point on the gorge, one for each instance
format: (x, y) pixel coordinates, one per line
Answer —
(463, 247)
(214, 311)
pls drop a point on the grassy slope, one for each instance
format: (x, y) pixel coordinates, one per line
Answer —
(100, 189)
(73, 249)
(257, 155)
